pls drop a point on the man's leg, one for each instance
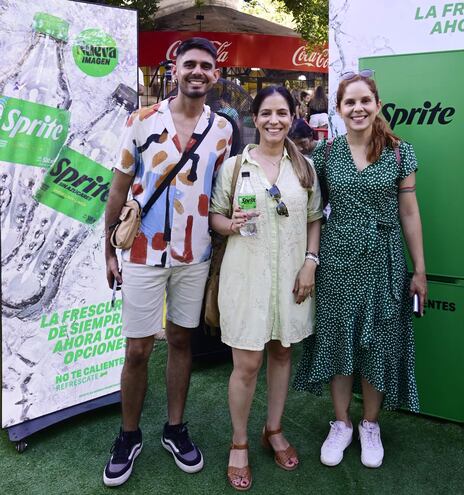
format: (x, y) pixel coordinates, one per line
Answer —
(128, 444)
(184, 299)
(134, 380)
(178, 370)
(142, 294)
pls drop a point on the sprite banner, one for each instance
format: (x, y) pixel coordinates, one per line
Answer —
(67, 87)
(432, 120)
(395, 27)
(416, 48)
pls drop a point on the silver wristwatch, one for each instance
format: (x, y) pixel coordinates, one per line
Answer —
(313, 257)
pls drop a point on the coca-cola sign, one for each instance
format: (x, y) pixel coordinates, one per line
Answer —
(236, 50)
(221, 47)
(314, 59)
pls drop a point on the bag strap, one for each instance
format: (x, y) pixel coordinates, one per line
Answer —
(397, 154)
(238, 164)
(328, 148)
(322, 182)
(186, 155)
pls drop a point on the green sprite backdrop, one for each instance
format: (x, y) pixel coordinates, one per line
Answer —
(422, 98)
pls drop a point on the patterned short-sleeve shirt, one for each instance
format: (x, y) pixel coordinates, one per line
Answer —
(175, 230)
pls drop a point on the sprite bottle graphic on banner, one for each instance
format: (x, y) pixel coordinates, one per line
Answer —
(72, 199)
(34, 119)
(35, 97)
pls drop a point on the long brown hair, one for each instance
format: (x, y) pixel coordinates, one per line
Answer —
(300, 166)
(382, 136)
(319, 102)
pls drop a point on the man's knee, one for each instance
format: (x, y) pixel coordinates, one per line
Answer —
(178, 337)
(138, 351)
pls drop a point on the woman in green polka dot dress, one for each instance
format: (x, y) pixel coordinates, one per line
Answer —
(364, 336)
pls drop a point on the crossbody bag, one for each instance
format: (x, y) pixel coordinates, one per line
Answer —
(127, 226)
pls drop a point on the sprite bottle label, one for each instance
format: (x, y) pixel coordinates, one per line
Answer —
(31, 133)
(76, 186)
(247, 201)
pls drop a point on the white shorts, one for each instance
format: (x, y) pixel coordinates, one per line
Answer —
(143, 291)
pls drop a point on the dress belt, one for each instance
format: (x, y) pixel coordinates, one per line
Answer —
(394, 268)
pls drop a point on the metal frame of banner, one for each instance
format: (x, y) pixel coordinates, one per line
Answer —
(20, 432)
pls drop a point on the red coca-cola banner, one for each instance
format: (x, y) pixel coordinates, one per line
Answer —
(237, 50)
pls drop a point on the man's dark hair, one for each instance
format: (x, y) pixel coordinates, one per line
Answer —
(199, 44)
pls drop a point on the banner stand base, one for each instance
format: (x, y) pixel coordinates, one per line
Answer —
(18, 433)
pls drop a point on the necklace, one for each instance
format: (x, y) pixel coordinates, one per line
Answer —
(275, 164)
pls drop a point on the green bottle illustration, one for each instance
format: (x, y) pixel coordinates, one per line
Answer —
(71, 201)
(34, 121)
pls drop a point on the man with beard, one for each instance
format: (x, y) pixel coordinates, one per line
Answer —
(171, 251)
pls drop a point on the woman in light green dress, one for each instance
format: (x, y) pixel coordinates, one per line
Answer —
(266, 280)
(364, 336)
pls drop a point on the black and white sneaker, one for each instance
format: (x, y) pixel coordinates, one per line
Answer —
(125, 450)
(186, 454)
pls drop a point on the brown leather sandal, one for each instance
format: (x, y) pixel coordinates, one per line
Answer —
(243, 473)
(281, 457)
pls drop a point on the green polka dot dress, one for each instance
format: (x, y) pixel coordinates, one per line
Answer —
(363, 309)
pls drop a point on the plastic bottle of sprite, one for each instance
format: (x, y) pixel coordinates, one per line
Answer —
(247, 202)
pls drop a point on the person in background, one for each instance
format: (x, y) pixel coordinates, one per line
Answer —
(305, 98)
(266, 280)
(304, 137)
(296, 98)
(171, 251)
(364, 336)
(225, 106)
(318, 109)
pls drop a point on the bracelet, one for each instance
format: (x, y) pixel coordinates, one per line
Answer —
(313, 257)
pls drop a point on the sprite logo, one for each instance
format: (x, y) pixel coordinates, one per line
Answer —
(3, 102)
(95, 53)
(76, 186)
(31, 133)
(17, 123)
(247, 201)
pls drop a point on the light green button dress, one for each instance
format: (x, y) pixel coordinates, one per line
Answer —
(258, 273)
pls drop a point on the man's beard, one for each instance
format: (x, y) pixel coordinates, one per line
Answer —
(200, 93)
(194, 94)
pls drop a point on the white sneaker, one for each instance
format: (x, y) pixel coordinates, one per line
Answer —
(337, 441)
(371, 444)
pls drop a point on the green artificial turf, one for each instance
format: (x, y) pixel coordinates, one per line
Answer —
(423, 455)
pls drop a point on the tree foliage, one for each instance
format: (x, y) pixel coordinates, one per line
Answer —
(146, 8)
(271, 10)
(311, 18)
